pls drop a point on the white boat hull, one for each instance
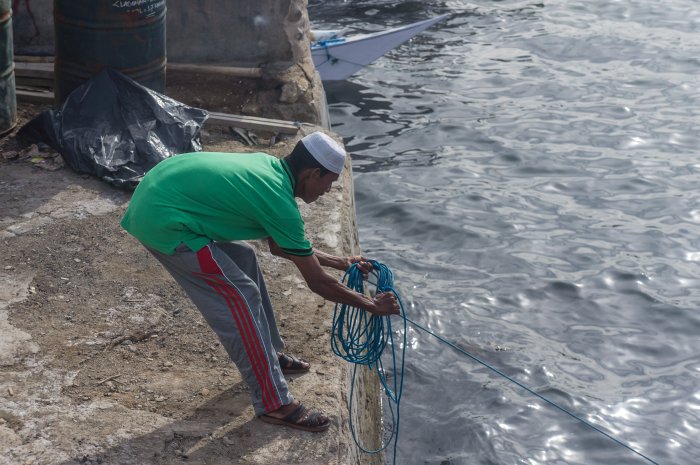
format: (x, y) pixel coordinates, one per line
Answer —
(338, 59)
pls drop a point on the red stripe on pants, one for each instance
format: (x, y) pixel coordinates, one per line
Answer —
(241, 314)
(266, 383)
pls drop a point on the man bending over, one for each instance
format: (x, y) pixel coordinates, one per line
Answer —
(192, 211)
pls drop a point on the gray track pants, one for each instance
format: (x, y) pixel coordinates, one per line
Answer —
(224, 282)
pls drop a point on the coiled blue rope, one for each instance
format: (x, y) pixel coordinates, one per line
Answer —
(360, 338)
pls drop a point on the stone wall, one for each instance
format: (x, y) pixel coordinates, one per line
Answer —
(263, 33)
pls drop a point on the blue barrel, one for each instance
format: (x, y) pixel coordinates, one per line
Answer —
(8, 97)
(126, 35)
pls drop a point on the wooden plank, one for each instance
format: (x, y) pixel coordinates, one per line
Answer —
(215, 118)
(33, 59)
(45, 68)
(214, 69)
(41, 74)
(34, 96)
(40, 83)
(34, 70)
(252, 122)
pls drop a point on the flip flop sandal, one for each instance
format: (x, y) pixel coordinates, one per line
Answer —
(291, 365)
(301, 418)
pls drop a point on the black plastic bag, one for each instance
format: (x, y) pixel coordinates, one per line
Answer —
(117, 129)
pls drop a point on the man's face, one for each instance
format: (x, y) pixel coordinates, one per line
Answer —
(316, 185)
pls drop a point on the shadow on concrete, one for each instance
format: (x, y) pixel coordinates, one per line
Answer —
(219, 431)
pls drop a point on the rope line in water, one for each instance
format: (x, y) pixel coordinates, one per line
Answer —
(553, 404)
(360, 338)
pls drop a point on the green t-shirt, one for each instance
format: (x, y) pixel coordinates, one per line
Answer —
(195, 198)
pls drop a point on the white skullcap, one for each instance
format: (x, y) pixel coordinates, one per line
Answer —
(325, 150)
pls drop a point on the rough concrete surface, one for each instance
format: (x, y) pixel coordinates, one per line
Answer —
(103, 359)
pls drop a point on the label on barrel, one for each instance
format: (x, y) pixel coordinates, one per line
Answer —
(140, 7)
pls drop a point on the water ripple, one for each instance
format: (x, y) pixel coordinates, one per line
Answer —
(529, 171)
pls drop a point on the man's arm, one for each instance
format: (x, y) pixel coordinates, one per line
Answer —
(326, 259)
(331, 289)
(339, 263)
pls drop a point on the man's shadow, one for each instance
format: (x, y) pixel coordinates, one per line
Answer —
(223, 430)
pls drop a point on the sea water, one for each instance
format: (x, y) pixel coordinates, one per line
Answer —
(530, 171)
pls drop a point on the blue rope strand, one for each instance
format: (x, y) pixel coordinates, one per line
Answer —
(367, 339)
(553, 404)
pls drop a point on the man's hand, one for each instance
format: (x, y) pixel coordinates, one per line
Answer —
(362, 263)
(386, 303)
(331, 289)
